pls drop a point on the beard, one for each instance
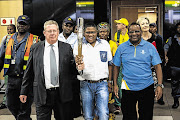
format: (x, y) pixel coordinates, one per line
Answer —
(135, 42)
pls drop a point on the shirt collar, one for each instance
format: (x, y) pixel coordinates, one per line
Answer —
(47, 44)
(141, 43)
(24, 39)
(71, 35)
(84, 41)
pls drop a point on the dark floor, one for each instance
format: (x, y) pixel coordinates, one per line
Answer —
(161, 112)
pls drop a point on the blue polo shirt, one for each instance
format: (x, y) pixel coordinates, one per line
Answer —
(137, 62)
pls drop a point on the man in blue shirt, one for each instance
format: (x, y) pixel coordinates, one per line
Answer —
(137, 56)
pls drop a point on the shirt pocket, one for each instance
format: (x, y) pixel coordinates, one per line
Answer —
(103, 56)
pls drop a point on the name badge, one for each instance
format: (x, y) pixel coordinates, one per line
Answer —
(13, 61)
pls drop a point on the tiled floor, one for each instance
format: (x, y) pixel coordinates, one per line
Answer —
(161, 112)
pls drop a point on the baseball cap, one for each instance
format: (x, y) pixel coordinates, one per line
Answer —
(153, 24)
(68, 20)
(23, 18)
(123, 21)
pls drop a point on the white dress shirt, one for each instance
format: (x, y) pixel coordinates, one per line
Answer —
(72, 39)
(47, 72)
(95, 60)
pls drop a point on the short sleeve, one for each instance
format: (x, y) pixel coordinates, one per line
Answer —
(155, 56)
(117, 57)
(168, 44)
(109, 52)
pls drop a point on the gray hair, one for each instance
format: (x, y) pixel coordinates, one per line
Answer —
(51, 22)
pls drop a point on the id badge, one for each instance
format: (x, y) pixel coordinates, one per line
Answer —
(13, 61)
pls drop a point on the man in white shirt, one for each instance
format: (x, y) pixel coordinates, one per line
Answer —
(93, 77)
(67, 35)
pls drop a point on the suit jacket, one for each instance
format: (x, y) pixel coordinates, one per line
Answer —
(34, 74)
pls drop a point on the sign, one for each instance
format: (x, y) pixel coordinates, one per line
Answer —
(7, 21)
(172, 3)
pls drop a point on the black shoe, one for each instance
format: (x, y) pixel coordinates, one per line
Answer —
(175, 105)
(2, 106)
(161, 102)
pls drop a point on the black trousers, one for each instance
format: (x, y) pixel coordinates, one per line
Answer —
(62, 111)
(145, 99)
(21, 111)
(175, 81)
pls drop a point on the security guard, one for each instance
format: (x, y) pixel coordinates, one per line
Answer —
(13, 57)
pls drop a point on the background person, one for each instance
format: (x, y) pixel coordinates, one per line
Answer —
(136, 57)
(68, 36)
(10, 30)
(103, 33)
(172, 49)
(153, 30)
(13, 56)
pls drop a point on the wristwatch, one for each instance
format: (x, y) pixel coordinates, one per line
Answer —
(161, 85)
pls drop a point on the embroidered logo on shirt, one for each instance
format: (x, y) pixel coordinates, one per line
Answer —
(103, 56)
(143, 52)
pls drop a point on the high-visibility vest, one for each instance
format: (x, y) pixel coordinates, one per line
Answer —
(9, 47)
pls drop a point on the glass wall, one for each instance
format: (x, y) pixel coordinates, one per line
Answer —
(172, 17)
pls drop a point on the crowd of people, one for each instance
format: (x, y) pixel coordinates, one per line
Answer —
(111, 75)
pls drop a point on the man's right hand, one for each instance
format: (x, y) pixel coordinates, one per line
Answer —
(166, 59)
(78, 59)
(23, 98)
(116, 89)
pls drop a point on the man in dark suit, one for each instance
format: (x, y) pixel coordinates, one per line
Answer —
(52, 87)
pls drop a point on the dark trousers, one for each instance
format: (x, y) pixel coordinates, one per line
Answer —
(76, 107)
(62, 111)
(145, 99)
(21, 111)
(175, 81)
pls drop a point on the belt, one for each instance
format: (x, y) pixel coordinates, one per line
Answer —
(17, 75)
(53, 89)
(96, 81)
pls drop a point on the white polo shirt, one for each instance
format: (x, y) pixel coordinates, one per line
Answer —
(72, 39)
(95, 59)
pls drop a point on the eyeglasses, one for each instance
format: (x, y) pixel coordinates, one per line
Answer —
(92, 32)
(51, 31)
(136, 31)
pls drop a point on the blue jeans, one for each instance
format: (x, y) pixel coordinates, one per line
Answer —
(95, 94)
